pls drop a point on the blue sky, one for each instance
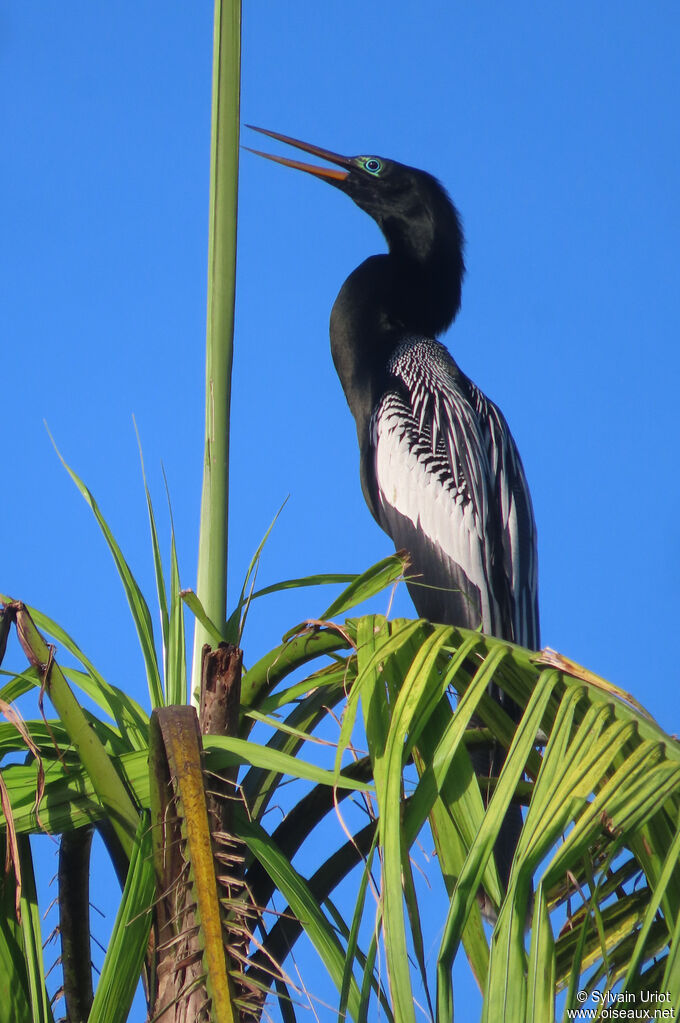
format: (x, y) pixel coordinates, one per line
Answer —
(554, 127)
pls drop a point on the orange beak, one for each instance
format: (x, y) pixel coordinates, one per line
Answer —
(327, 173)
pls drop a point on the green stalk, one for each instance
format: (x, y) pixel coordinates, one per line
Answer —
(212, 549)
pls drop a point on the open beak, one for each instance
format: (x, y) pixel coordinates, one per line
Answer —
(327, 173)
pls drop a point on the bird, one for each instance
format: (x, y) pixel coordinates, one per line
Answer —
(439, 468)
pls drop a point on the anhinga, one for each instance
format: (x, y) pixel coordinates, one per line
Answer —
(439, 468)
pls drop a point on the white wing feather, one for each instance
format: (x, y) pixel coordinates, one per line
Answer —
(445, 462)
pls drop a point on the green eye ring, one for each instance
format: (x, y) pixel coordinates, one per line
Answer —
(372, 165)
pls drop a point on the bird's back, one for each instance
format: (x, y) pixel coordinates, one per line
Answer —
(444, 479)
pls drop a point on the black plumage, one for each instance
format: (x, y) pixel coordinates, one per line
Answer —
(439, 468)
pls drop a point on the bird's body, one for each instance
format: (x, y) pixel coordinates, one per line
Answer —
(439, 467)
(442, 476)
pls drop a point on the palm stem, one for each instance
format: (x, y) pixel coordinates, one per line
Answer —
(212, 554)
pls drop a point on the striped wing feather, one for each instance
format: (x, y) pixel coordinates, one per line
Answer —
(451, 490)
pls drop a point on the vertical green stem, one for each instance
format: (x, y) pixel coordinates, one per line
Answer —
(212, 553)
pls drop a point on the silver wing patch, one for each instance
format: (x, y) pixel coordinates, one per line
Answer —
(451, 489)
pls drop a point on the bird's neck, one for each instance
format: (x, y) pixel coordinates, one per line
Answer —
(411, 291)
(425, 241)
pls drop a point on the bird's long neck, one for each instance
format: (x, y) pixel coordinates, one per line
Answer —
(411, 291)
(425, 241)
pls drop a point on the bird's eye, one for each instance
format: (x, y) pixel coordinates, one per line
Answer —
(372, 165)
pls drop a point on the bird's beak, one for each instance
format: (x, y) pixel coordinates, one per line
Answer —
(327, 173)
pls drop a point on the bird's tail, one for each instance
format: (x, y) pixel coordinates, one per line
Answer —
(488, 763)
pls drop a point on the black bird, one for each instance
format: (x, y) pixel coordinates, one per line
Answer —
(439, 468)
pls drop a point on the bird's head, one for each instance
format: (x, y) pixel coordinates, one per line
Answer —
(406, 203)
